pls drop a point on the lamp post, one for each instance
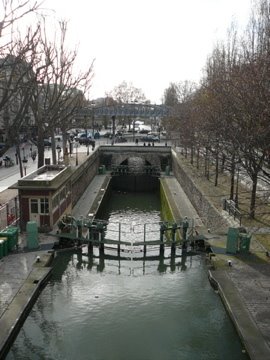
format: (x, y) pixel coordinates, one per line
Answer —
(59, 152)
(24, 161)
(76, 154)
(24, 158)
(133, 129)
(113, 129)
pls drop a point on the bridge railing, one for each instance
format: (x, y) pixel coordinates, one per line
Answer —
(132, 170)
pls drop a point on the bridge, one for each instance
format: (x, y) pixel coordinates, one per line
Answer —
(126, 110)
(136, 158)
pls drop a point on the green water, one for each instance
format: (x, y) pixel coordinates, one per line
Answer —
(103, 309)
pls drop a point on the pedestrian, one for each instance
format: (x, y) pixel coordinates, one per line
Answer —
(1, 161)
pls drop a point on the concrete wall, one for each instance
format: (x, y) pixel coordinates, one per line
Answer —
(208, 213)
(210, 216)
(83, 175)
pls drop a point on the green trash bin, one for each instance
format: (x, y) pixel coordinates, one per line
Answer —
(102, 170)
(8, 239)
(244, 242)
(5, 246)
(232, 241)
(32, 235)
(12, 234)
(1, 248)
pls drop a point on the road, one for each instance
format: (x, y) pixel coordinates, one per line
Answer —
(10, 175)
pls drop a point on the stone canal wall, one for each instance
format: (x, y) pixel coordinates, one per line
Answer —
(210, 216)
(83, 175)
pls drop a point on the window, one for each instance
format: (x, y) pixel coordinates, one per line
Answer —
(55, 201)
(34, 206)
(44, 206)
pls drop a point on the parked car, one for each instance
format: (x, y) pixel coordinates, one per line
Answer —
(107, 135)
(144, 131)
(47, 142)
(82, 136)
(150, 138)
(87, 141)
(120, 139)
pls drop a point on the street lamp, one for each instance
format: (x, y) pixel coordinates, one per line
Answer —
(76, 154)
(113, 128)
(24, 158)
(58, 147)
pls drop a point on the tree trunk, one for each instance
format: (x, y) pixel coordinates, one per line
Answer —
(223, 163)
(217, 166)
(192, 155)
(232, 179)
(54, 160)
(18, 155)
(40, 147)
(206, 164)
(198, 158)
(253, 195)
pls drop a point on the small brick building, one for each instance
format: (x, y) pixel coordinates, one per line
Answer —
(45, 195)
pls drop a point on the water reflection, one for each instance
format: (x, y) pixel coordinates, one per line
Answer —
(135, 265)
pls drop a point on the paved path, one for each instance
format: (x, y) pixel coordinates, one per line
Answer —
(245, 291)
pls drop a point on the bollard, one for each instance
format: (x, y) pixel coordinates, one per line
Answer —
(163, 227)
(174, 228)
(185, 228)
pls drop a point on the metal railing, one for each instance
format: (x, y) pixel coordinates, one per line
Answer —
(231, 208)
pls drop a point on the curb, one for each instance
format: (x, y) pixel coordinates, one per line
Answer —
(250, 336)
(22, 303)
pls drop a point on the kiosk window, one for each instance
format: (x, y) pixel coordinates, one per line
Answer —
(44, 206)
(34, 206)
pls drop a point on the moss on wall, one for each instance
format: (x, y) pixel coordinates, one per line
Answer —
(166, 210)
(167, 213)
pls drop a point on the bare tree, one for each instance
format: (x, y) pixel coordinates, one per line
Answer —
(127, 93)
(60, 93)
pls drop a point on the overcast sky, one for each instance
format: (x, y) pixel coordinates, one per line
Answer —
(147, 42)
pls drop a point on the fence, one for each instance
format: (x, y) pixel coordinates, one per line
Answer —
(230, 207)
(9, 213)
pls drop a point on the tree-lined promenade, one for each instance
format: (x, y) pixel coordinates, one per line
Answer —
(226, 118)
